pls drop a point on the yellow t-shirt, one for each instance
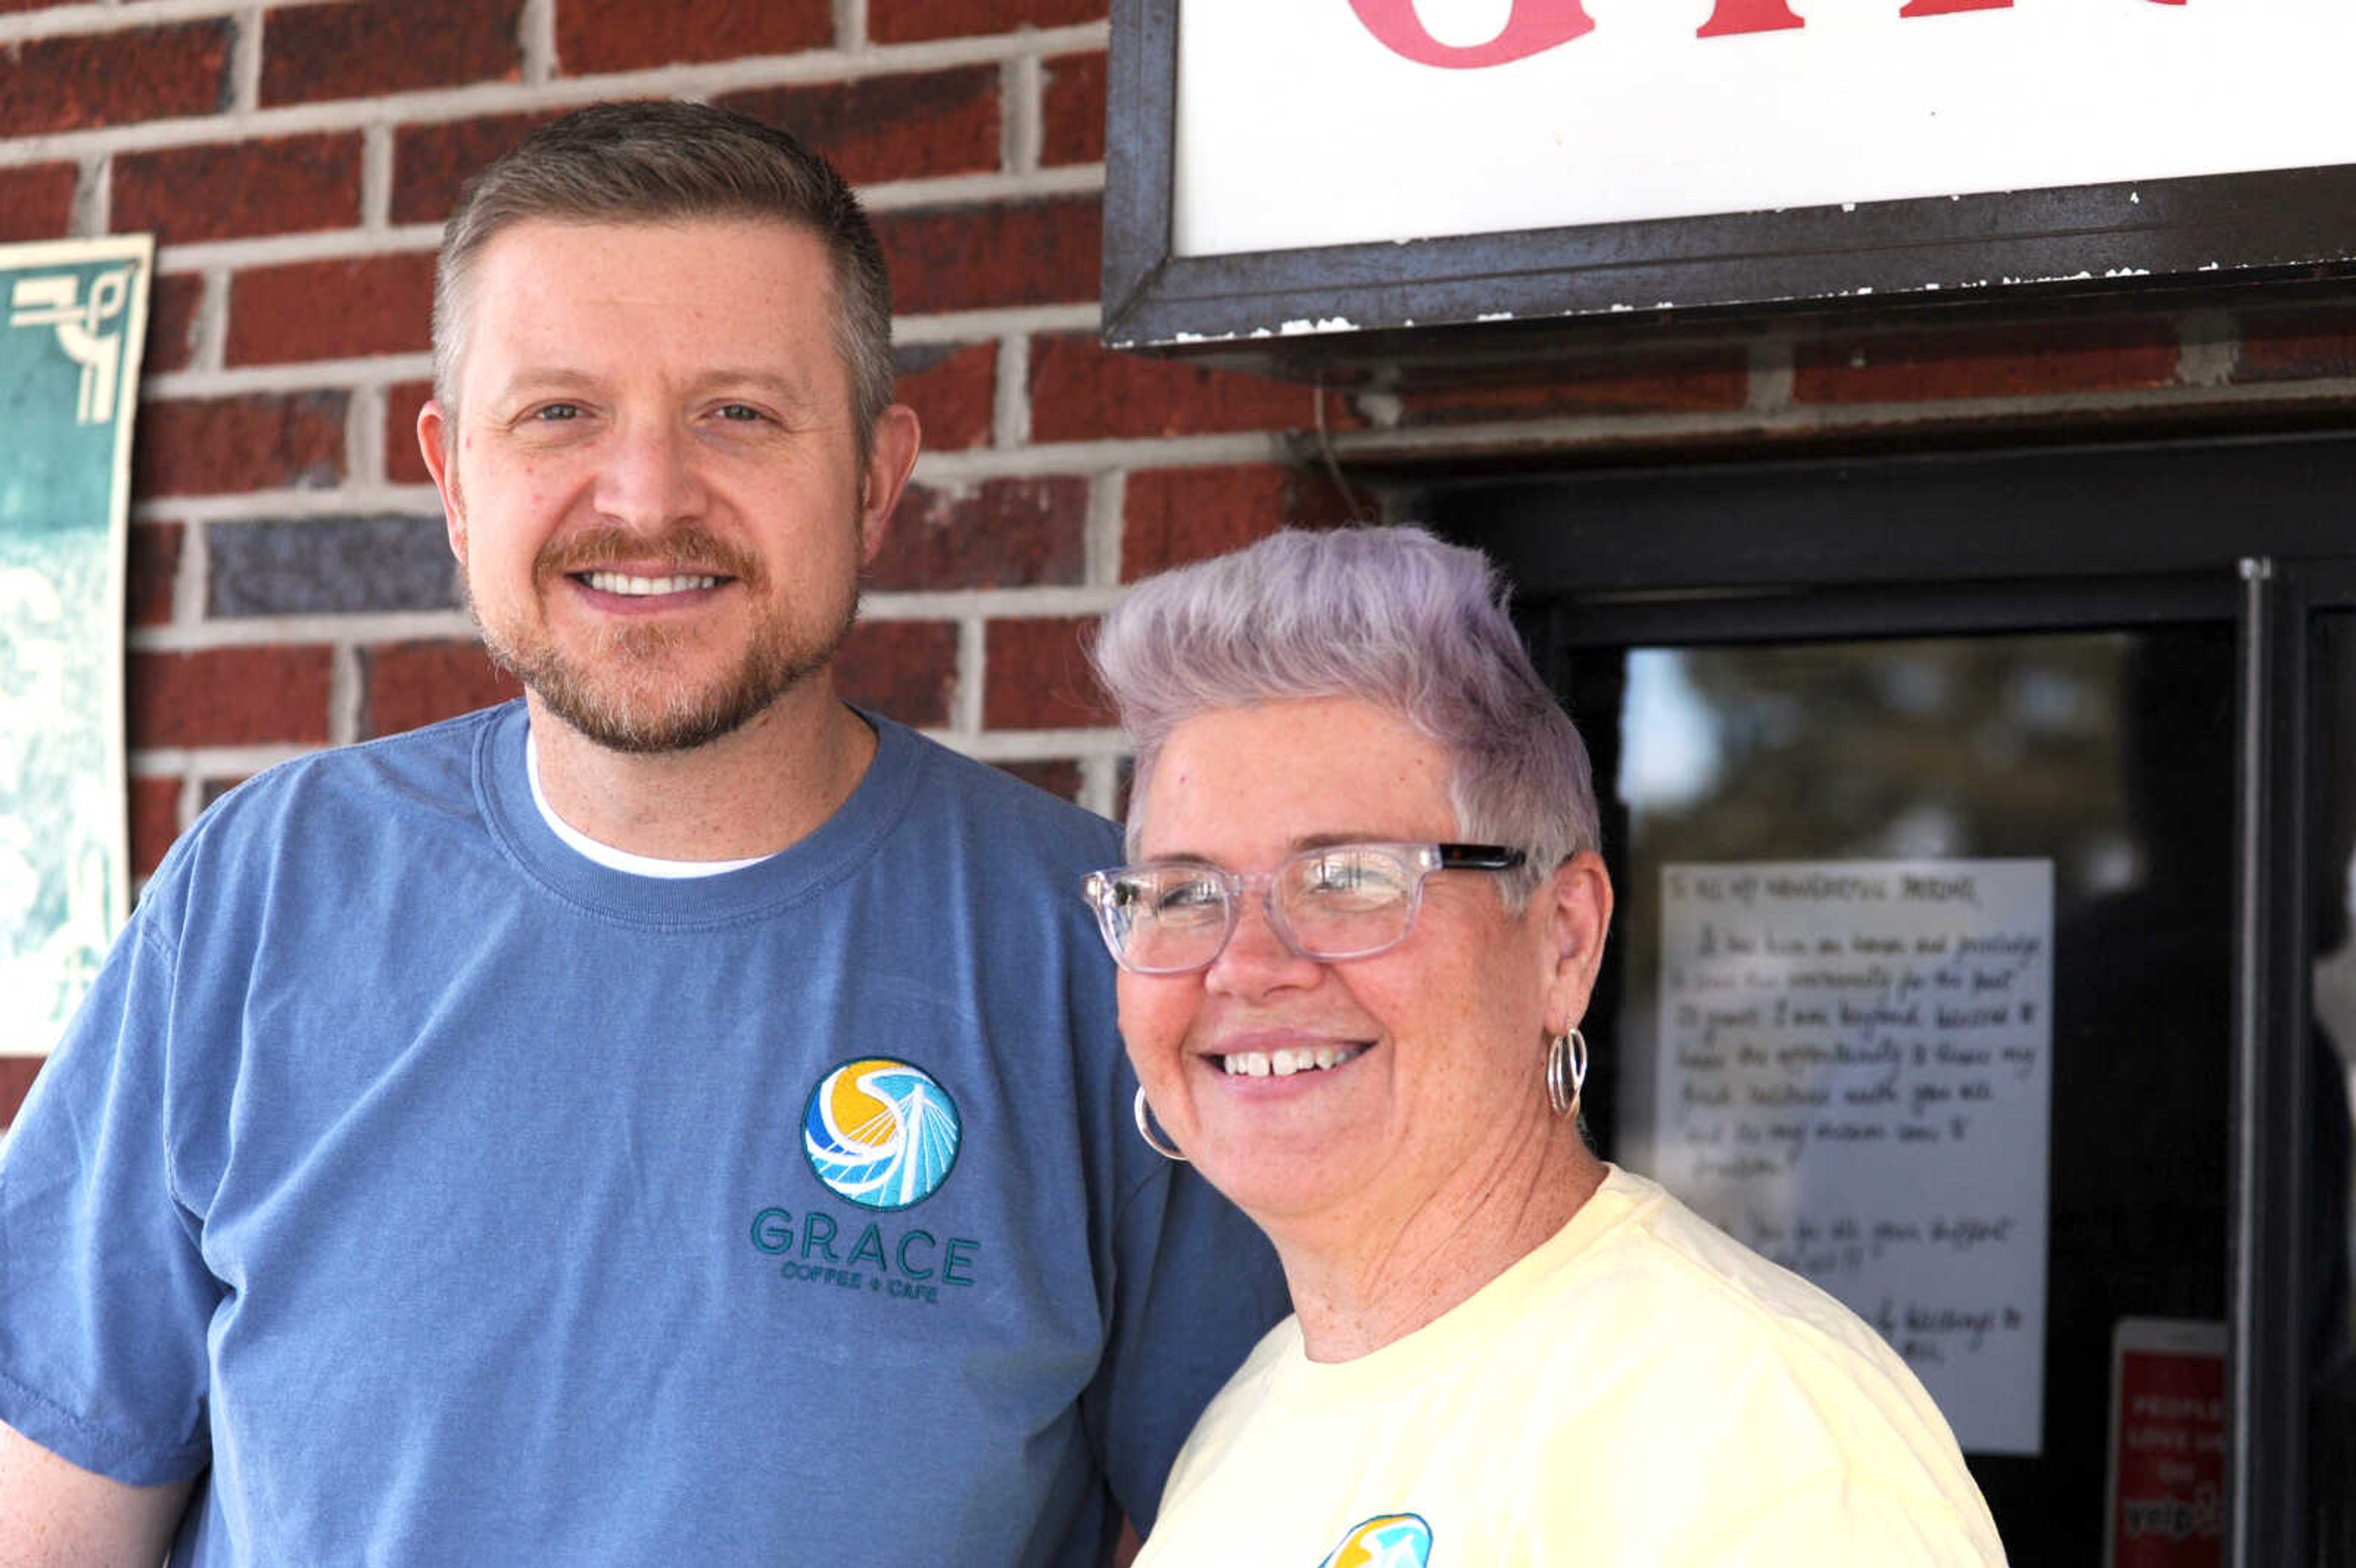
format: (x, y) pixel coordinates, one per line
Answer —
(1641, 1392)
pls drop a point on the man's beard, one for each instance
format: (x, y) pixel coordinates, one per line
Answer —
(610, 694)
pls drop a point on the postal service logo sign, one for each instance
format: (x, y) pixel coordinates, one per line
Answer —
(1386, 1540)
(880, 1134)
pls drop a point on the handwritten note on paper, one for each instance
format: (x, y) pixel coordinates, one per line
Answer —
(1854, 1080)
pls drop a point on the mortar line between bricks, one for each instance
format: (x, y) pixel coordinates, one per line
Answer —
(1010, 414)
(376, 178)
(945, 193)
(1058, 603)
(190, 802)
(1100, 785)
(472, 100)
(93, 199)
(1033, 745)
(972, 673)
(536, 41)
(300, 375)
(1106, 527)
(248, 25)
(1022, 84)
(346, 691)
(949, 328)
(235, 510)
(201, 762)
(189, 580)
(274, 631)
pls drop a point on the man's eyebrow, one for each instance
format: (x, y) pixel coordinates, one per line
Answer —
(792, 388)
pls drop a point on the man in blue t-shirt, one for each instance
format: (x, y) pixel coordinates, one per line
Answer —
(675, 1118)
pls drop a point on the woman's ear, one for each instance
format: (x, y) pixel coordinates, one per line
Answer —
(1575, 903)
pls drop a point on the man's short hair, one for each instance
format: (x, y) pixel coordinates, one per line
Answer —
(666, 162)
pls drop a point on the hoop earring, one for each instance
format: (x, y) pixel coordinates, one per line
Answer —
(1161, 1146)
(1565, 1071)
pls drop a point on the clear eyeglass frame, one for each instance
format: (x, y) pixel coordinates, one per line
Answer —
(1333, 902)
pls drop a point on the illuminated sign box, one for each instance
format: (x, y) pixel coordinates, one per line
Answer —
(1282, 172)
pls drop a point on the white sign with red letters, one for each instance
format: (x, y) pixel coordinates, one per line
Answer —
(1331, 122)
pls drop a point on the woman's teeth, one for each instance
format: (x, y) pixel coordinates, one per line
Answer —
(1285, 1063)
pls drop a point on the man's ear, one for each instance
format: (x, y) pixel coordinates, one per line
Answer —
(437, 438)
(891, 458)
(1575, 904)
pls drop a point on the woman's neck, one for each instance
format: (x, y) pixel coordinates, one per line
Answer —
(1360, 1282)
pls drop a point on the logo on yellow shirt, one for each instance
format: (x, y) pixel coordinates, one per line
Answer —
(1386, 1540)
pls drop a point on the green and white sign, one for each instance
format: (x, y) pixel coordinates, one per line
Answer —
(72, 317)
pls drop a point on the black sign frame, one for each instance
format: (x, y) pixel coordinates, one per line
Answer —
(2203, 232)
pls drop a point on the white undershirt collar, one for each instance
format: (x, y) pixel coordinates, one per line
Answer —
(605, 854)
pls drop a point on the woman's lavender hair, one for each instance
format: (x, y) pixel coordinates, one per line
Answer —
(1389, 615)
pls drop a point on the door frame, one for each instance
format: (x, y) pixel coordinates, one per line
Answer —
(2248, 532)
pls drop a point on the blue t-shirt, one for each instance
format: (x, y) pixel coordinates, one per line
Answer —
(458, 1199)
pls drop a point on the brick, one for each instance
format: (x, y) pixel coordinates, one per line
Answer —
(974, 257)
(1714, 382)
(17, 1075)
(366, 48)
(230, 697)
(2043, 360)
(594, 36)
(1083, 392)
(1035, 677)
(877, 128)
(154, 822)
(904, 669)
(151, 572)
(329, 566)
(404, 462)
(1001, 533)
(279, 185)
(1173, 515)
(78, 81)
(908, 21)
(1072, 110)
(36, 201)
(212, 446)
(331, 310)
(432, 164)
(2296, 346)
(1058, 776)
(172, 304)
(954, 390)
(410, 684)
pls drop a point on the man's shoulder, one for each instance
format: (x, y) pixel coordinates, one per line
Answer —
(380, 781)
(1002, 812)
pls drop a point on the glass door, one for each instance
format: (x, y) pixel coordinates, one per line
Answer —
(1983, 826)
(1925, 990)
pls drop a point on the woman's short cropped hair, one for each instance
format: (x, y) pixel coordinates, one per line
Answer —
(661, 162)
(1389, 615)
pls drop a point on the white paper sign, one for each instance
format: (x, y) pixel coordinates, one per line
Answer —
(1855, 1080)
(1350, 120)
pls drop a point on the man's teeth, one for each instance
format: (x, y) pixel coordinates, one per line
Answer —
(1285, 1063)
(617, 582)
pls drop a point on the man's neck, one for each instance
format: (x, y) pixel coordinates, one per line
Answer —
(753, 792)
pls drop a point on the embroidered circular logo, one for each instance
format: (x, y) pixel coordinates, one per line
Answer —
(1386, 1540)
(881, 1133)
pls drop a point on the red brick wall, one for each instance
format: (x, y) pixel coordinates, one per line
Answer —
(294, 159)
